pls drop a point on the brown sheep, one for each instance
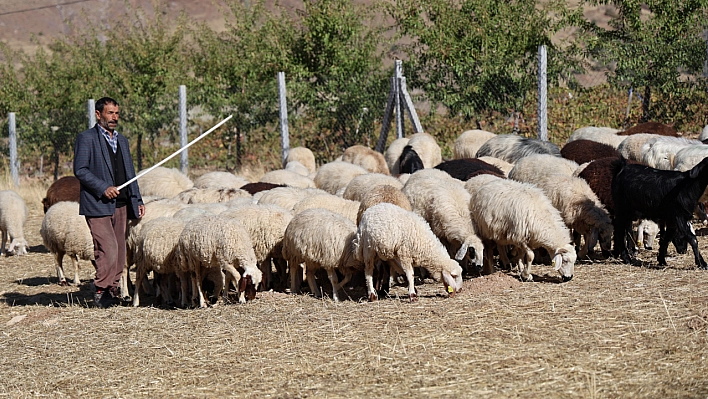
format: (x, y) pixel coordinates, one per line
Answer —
(582, 151)
(65, 189)
(651, 127)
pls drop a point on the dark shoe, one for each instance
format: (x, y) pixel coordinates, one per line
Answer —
(102, 299)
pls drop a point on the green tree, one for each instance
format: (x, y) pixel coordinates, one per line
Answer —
(653, 45)
(480, 55)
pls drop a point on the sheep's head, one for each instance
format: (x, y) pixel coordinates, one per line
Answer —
(473, 250)
(452, 277)
(605, 232)
(249, 283)
(18, 246)
(564, 261)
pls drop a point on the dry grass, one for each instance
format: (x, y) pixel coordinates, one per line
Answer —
(613, 331)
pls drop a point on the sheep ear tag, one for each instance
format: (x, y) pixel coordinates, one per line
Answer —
(450, 289)
(557, 261)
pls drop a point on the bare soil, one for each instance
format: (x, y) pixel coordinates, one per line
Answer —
(615, 330)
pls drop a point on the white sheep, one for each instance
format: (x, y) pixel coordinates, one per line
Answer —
(360, 185)
(393, 155)
(157, 252)
(403, 239)
(321, 239)
(647, 231)
(297, 167)
(468, 143)
(604, 135)
(303, 155)
(287, 197)
(65, 232)
(219, 179)
(379, 194)
(511, 213)
(534, 166)
(579, 207)
(659, 153)
(444, 203)
(499, 163)
(266, 225)
(335, 175)
(199, 195)
(512, 147)
(690, 156)
(13, 215)
(288, 178)
(427, 149)
(164, 183)
(217, 243)
(367, 158)
(631, 147)
(344, 207)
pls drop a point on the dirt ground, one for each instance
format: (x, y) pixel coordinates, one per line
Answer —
(615, 330)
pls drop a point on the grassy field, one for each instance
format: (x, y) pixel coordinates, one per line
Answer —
(615, 330)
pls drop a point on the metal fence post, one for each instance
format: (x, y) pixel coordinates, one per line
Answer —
(184, 155)
(14, 163)
(542, 94)
(399, 114)
(283, 105)
(91, 110)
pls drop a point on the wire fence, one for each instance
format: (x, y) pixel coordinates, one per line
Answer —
(44, 151)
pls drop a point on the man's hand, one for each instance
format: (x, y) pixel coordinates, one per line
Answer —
(111, 192)
(141, 210)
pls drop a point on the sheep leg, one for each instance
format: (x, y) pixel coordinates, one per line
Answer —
(184, 279)
(281, 266)
(407, 267)
(265, 267)
(622, 227)
(124, 281)
(4, 240)
(525, 266)
(75, 263)
(139, 273)
(369, 265)
(59, 256)
(332, 274)
(310, 271)
(197, 285)
(489, 258)
(295, 278)
(231, 274)
(667, 235)
(687, 233)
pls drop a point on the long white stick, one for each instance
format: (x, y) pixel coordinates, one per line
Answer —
(143, 173)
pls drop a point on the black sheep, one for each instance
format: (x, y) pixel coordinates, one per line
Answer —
(667, 197)
(409, 160)
(463, 169)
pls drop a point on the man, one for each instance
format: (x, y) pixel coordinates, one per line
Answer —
(102, 162)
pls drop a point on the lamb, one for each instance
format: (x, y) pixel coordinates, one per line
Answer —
(650, 127)
(379, 194)
(13, 215)
(660, 153)
(511, 147)
(427, 149)
(444, 204)
(410, 162)
(288, 178)
(580, 209)
(468, 143)
(582, 151)
(321, 239)
(164, 183)
(367, 158)
(303, 155)
(214, 242)
(197, 195)
(605, 135)
(339, 205)
(403, 239)
(65, 232)
(631, 147)
(157, 251)
(362, 184)
(666, 197)
(220, 179)
(646, 234)
(66, 188)
(534, 166)
(465, 168)
(509, 213)
(336, 175)
(393, 155)
(266, 226)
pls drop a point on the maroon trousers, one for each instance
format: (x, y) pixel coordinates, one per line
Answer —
(108, 234)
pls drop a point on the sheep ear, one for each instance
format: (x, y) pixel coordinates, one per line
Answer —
(12, 246)
(557, 261)
(461, 252)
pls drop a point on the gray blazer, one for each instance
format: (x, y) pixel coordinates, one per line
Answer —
(93, 168)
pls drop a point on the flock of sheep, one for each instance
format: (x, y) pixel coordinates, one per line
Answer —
(503, 201)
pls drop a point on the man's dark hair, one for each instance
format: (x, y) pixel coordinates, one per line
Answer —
(103, 101)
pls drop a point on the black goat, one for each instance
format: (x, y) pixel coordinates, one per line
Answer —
(463, 169)
(410, 161)
(666, 197)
